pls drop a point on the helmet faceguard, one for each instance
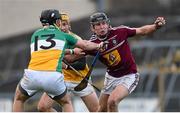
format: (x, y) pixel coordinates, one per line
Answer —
(49, 16)
(98, 17)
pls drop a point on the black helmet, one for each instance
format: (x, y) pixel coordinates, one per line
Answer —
(97, 17)
(49, 16)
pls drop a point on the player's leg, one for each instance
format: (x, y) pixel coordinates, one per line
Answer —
(45, 104)
(19, 100)
(68, 107)
(103, 102)
(91, 101)
(115, 97)
(123, 86)
(88, 95)
(57, 85)
(105, 92)
(24, 90)
(65, 101)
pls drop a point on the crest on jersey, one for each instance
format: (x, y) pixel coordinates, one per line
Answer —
(114, 42)
(112, 57)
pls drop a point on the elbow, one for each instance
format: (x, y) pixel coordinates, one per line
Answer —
(142, 32)
(85, 44)
(82, 44)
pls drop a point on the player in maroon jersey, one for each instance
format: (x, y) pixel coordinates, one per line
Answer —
(121, 77)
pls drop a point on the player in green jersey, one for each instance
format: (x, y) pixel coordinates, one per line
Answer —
(72, 79)
(44, 72)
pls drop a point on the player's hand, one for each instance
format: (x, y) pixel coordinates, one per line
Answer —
(103, 46)
(64, 66)
(78, 51)
(159, 22)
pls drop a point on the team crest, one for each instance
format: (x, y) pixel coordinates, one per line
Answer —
(112, 57)
(114, 42)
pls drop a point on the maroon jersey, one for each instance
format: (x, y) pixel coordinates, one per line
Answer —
(116, 54)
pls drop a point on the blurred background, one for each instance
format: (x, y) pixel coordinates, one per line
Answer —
(157, 55)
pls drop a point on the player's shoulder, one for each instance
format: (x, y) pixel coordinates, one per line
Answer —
(41, 30)
(121, 27)
(75, 35)
(38, 30)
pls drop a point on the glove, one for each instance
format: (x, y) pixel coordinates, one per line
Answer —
(159, 22)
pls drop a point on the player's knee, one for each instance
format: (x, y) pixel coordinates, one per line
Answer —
(67, 101)
(42, 108)
(112, 103)
(63, 101)
(20, 97)
(102, 108)
(93, 108)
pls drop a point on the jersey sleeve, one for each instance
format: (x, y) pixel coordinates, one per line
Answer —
(71, 40)
(130, 31)
(76, 36)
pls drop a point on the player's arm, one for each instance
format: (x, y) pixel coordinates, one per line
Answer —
(69, 51)
(87, 45)
(83, 44)
(76, 55)
(73, 58)
(147, 29)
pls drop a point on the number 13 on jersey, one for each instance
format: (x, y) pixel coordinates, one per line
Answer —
(45, 42)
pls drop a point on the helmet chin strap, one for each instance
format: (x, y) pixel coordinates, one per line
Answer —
(103, 37)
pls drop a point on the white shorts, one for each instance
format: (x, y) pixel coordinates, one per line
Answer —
(47, 81)
(70, 86)
(129, 81)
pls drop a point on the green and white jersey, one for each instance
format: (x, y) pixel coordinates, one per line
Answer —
(48, 47)
(75, 36)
